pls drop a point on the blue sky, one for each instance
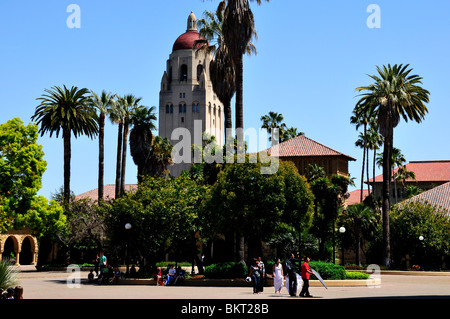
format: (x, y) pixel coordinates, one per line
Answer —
(311, 57)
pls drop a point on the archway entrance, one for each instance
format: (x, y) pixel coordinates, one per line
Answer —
(9, 250)
(26, 255)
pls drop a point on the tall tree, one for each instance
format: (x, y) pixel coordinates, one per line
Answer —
(221, 67)
(238, 29)
(116, 115)
(69, 111)
(394, 94)
(103, 103)
(128, 104)
(141, 137)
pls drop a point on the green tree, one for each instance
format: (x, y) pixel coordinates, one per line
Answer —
(394, 94)
(163, 213)
(44, 218)
(21, 169)
(69, 111)
(251, 204)
(413, 219)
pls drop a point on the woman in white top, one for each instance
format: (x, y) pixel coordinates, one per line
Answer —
(278, 276)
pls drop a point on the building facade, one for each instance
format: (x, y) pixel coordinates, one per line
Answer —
(186, 99)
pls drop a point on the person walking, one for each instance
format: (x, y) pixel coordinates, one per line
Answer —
(306, 271)
(277, 272)
(255, 275)
(292, 275)
(263, 275)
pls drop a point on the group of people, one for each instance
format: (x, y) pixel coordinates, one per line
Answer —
(174, 277)
(105, 273)
(281, 273)
(12, 293)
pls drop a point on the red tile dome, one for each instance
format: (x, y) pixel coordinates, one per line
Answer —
(187, 41)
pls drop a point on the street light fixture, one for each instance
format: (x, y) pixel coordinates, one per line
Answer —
(127, 227)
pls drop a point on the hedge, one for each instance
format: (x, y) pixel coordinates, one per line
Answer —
(227, 270)
(328, 271)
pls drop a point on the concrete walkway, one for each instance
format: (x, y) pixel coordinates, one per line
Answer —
(51, 293)
(57, 285)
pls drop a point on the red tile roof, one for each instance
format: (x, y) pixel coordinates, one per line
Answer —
(439, 196)
(109, 192)
(355, 196)
(304, 146)
(425, 171)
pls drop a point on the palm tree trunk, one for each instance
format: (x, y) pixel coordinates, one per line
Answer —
(239, 99)
(373, 169)
(367, 170)
(67, 157)
(124, 157)
(119, 159)
(228, 123)
(387, 156)
(101, 156)
(362, 170)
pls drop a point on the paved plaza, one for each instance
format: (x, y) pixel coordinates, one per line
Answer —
(45, 289)
(57, 285)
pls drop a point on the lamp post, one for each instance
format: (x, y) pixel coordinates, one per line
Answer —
(127, 227)
(342, 231)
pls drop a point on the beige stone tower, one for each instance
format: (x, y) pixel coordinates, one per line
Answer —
(186, 95)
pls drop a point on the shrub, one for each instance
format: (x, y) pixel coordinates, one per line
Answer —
(227, 270)
(328, 270)
(356, 275)
(8, 275)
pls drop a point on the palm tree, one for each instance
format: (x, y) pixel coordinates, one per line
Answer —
(128, 103)
(289, 133)
(273, 120)
(103, 103)
(238, 29)
(394, 94)
(141, 137)
(360, 217)
(221, 67)
(362, 116)
(66, 110)
(374, 142)
(116, 115)
(160, 157)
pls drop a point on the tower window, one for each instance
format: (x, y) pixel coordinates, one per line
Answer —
(199, 71)
(182, 119)
(171, 108)
(167, 108)
(198, 108)
(184, 108)
(180, 108)
(183, 72)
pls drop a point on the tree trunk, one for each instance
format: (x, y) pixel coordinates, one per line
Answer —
(227, 121)
(242, 249)
(67, 157)
(101, 156)
(124, 157)
(119, 159)
(239, 103)
(386, 197)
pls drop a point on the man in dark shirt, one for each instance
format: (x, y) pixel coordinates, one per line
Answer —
(293, 276)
